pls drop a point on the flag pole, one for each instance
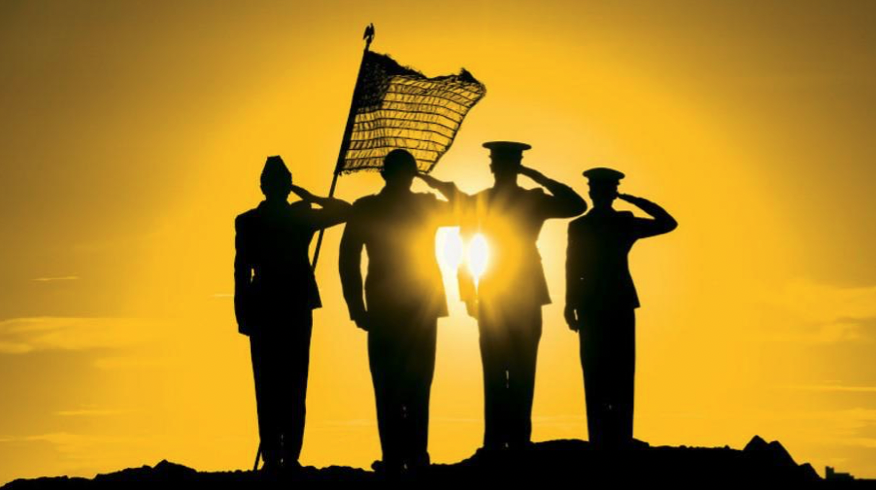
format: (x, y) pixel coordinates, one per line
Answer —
(345, 145)
(345, 142)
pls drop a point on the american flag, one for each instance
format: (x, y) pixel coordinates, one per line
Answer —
(398, 107)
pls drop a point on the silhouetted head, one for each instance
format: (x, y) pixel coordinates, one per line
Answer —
(603, 185)
(399, 169)
(505, 159)
(276, 179)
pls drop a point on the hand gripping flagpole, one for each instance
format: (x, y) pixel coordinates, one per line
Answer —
(339, 165)
(348, 131)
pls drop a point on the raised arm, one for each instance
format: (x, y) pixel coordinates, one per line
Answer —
(243, 266)
(350, 268)
(447, 189)
(334, 211)
(662, 221)
(451, 212)
(564, 202)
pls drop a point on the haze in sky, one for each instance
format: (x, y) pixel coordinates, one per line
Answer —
(134, 132)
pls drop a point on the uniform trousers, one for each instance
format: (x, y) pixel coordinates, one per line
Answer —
(608, 359)
(280, 359)
(509, 338)
(401, 355)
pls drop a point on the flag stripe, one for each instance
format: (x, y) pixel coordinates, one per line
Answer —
(460, 99)
(425, 135)
(410, 142)
(422, 106)
(393, 95)
(402, 123)
(417, 116)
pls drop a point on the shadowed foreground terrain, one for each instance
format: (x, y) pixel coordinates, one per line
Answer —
(561, 462)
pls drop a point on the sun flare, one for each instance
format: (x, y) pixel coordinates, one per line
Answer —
(478, 256)
(452, 252)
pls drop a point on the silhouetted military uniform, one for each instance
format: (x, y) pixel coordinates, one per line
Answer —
(510, 295)
(405, 297)
(600, 288)
(275, 293)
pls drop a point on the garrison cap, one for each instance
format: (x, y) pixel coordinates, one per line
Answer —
(603, 175)
(275, 170)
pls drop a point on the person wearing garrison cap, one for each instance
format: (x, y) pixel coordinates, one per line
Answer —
(403, 299)
(511, 291)
(601, 301)
(274, 293)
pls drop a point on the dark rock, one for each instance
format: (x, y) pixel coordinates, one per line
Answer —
(545, 464)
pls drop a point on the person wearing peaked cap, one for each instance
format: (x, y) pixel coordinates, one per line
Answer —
(601, 301)
(274, 293)
(512, 289)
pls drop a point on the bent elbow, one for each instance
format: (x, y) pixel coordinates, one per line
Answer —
(576, 208)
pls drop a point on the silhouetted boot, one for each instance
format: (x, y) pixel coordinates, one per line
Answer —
(272, 465)
(388, 469)
(291, 466)
(489, 455)
(418, 464)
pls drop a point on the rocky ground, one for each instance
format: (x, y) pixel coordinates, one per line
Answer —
(547, 464)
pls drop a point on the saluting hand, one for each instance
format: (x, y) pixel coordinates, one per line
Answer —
(629, 198)
(537, 177)
(428, 179)
(438, 185)
(303, 193)
(529, 172)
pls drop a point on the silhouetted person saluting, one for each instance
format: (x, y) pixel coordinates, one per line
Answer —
(601, 301)
(509, 296)
(274, 293)
(404, 297)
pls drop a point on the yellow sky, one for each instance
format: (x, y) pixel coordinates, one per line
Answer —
(134, 132)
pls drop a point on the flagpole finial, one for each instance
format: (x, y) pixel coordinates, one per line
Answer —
(368, 36)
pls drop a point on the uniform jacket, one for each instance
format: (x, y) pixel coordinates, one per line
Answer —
(398, 233)
(511, 220)
(597, 267)
(273, 279)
